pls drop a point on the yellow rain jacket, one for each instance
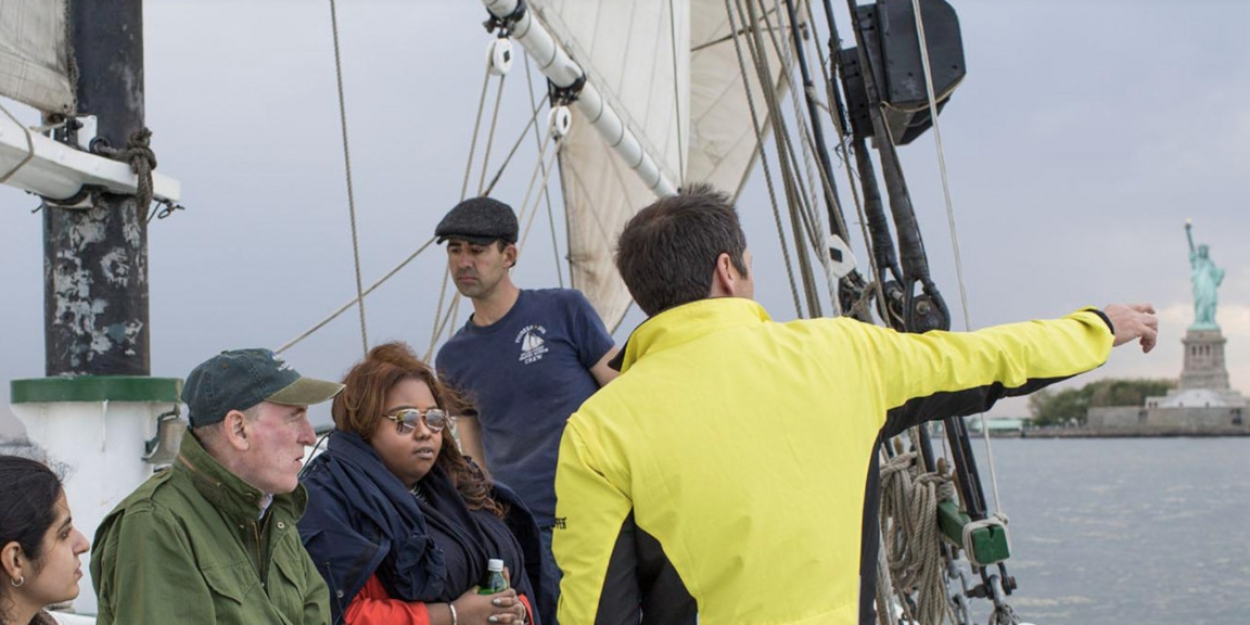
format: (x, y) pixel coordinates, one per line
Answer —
(723, 476)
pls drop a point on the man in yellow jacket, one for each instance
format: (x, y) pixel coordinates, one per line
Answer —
(721, 479)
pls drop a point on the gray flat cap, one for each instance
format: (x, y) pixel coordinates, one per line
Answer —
(479, 220)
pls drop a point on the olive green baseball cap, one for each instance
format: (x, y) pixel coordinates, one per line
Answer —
(241, 378)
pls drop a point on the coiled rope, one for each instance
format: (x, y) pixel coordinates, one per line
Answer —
(911, 538)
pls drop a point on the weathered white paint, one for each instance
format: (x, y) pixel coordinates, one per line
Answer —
(115, 267)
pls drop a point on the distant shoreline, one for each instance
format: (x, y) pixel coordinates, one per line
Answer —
(1125, 432)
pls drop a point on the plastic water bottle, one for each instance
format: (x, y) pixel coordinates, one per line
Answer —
(494, 581)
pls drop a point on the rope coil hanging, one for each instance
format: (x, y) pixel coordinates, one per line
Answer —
(912, 541)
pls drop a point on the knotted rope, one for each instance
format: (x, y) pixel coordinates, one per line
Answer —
(138, 152)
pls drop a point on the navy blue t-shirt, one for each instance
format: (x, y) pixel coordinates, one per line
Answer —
(527, 373)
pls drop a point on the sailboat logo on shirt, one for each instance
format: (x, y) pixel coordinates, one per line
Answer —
(532, 344)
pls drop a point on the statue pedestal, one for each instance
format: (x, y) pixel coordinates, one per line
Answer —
(1204, 360)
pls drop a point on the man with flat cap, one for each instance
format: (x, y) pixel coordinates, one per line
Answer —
(528, 358)
(213, 539)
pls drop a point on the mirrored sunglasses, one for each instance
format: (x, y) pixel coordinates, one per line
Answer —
(406, 420)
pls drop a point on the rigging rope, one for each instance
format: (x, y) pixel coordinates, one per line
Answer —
(545, 168)
(755, 44)
(885, 597)
(813, 219)
(950, 216)
(291, 343)
(533, 210)
(785, 151)
(439, 313)
(843, 152)
(490, 136)
(477, 127)
(538, 142)
(805, 133)
(442, 318)
(512, 152)
(759, 146)
(347, 163)
(783, 52)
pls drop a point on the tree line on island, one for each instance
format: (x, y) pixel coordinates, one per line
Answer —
(1071, 406)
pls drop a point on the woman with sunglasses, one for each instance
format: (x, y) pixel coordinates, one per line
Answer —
(399, 523)
(39, 546)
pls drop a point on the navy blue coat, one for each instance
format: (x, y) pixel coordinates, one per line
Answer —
(361, 520)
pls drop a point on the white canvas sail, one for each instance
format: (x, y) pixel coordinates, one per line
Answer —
(671, 71)
(637, 56)
(34, 56)
(723, 141)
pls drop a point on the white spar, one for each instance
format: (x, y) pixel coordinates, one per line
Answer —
(58, 171)
(557, 66)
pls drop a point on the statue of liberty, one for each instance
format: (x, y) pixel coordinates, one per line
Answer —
(1206, 278)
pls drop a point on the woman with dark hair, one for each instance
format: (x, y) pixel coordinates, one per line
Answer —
(39, 546)
(399, 522)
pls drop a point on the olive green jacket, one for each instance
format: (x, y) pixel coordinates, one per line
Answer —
(189, 547)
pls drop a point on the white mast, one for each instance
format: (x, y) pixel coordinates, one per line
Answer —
(555, 63)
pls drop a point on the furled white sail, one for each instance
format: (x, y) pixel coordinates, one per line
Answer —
(669, 68)
(34, 56)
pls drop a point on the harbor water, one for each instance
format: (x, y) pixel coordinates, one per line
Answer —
(1127, 531)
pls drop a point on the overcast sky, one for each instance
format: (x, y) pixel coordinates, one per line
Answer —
(1083, 137)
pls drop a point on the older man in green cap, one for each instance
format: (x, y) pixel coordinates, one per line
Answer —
(213, 539)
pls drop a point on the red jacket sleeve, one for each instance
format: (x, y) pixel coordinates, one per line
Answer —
(372, 606)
